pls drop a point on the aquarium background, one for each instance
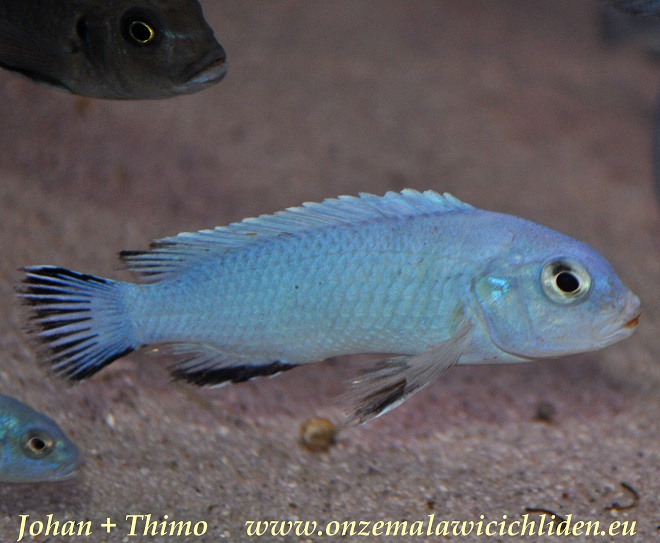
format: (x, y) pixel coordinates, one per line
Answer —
(515, 106)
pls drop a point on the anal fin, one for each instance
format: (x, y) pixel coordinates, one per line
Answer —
(205, 365)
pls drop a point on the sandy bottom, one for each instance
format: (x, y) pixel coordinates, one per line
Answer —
(512, 106)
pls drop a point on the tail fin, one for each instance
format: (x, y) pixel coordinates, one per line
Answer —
(77, 320)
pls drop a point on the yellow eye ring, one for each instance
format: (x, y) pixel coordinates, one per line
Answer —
(565, 281)
(141, 32)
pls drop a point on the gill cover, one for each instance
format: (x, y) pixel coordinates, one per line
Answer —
(543, 309)
(505, 312)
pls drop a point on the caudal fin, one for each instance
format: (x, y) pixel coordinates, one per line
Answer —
(77, 321)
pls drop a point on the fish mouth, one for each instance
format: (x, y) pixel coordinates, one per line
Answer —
(69, 473)
(71, 466)
(623, 325)
(211, 69)
(70, 469)
(632, 323)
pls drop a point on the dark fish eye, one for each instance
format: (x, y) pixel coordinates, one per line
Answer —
(140, 27)
(565, 281)
(37, 443)
(141, 32)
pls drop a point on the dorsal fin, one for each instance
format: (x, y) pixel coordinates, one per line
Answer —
(170, 255)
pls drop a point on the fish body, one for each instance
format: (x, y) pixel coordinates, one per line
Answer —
(645, 28)
(123, 49)
(429, 279)
(637, 7)
(33, 449)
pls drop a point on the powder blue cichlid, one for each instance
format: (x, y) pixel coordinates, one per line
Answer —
(33, 449)
(428, 279)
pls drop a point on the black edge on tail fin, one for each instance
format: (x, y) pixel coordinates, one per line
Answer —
(76, 320)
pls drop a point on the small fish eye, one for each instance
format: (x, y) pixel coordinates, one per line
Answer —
(37, 443)
(565, 281)
(141, 32)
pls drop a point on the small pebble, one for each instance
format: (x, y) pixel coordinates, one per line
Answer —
(110, 420)
(317, 434)
(545, 412)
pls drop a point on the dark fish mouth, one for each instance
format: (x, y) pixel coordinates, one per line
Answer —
(212, 71)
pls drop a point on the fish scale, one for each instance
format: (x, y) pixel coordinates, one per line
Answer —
(428, 279)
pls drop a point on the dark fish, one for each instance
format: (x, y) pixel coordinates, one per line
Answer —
(119, 49)
(637, 7)
(617, 27)
(613, 32)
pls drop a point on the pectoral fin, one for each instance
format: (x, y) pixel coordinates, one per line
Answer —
(392, 381)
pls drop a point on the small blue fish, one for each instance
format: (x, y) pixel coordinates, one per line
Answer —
(33, 449)
(423, 276)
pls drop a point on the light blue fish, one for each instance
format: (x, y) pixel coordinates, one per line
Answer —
(422, 276)
(33, 449)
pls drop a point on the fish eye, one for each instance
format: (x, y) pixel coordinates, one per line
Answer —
(138, 28)
(141, 32)
(565, 281)
(37, 443)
